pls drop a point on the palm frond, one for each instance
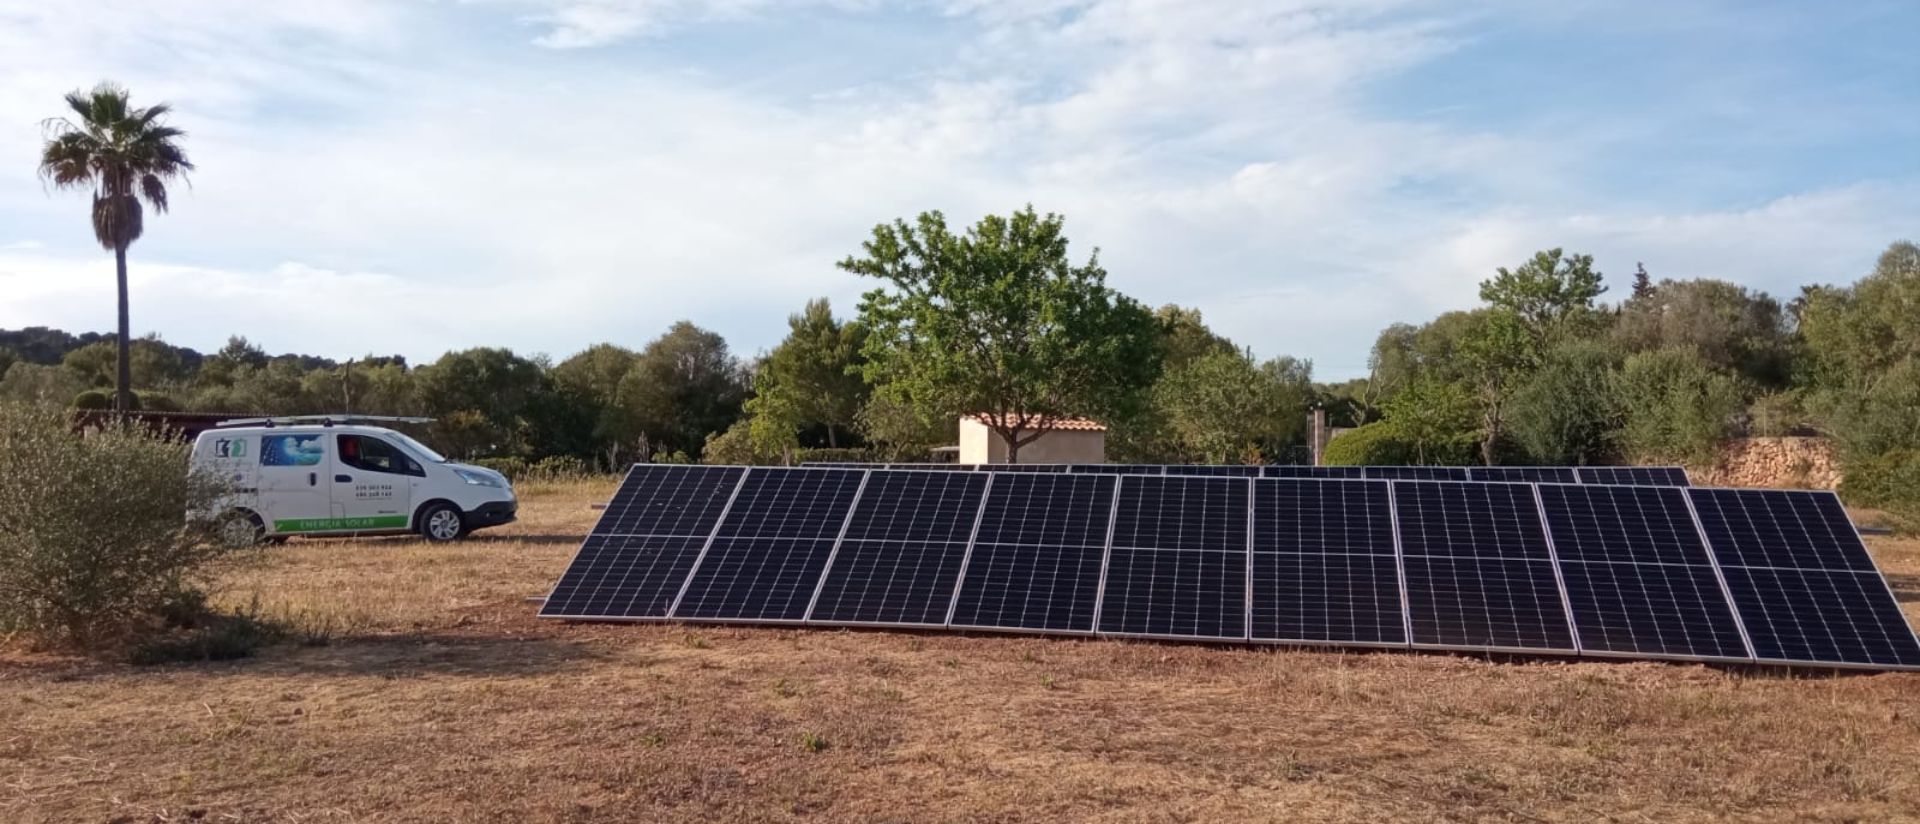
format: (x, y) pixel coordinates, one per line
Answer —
(117, 220)
(154, 191)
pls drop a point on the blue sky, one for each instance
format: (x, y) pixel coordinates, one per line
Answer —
(546, 174)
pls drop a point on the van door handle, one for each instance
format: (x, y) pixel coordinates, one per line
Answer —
(343, 479)
(313, 479)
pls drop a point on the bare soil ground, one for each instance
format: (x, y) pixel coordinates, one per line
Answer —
(441, 698)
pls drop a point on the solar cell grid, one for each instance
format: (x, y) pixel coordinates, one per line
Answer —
(1802, 581)
(1226, 470)
(668, 500)
(1178, 566)
(1523, 474)
(623, 576)
(1290, 471)
(1632, 475)
(768, 553)
(1037, 556)
(1417, 473)
(1324, 567)
(903, 551)
(1345, 517)
(1479, 569)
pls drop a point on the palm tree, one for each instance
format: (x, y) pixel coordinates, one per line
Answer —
(123, 155)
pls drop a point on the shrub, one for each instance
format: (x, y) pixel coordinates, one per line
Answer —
(93, 399)
(1375, 444)
(1889, 481)
(558, 467)
(1674, 406)
(1563, 414)
(1777, 414)
(512, 467)
(94, 535)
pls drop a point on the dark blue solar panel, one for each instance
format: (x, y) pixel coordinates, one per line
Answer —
(772, 547)
(1805, 587)
(1523, 474)
(1638, 577)
(1327, 597)
(1470, 520)
(1774, 528)
(1215, 470)
(658, 499)
(1036, 561)
(1041, 468)
(903, 550)
(1291, 471)
(623, 576)
(1417, 473)
(1632, 475)
(1478, 570)
(1323, 563)
(1179, 562)
(1117, 469)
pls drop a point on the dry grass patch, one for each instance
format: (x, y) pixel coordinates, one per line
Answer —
(451, 703)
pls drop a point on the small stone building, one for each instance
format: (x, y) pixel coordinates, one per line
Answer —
(1072, 440)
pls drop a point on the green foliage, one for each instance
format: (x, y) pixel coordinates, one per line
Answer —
(482, 398)
(1498, 354)
(33, 384)
(71, 575)
(515, 468)
(1564, 412)
(684, 386)
(1222, 408)
(92, 400)
(895, 431)
(1674, 406)
(1777, 414)
(1435, 421)
(1375, 444)
(1865, 329)
(812, 379)
(998, 322)
(1552, 294)
(1889, 481)
(737, 446)
(1735, 329)
(1185, 338)
(7, 359)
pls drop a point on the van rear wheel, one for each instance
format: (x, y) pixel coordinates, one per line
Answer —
(442, 522)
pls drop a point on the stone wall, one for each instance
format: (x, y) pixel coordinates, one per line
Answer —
(1777, 463)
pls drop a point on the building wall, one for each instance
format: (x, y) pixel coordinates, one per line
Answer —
(979, 444)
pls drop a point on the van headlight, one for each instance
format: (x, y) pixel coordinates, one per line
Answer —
(477, 479)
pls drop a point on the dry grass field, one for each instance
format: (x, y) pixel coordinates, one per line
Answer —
(440, 698)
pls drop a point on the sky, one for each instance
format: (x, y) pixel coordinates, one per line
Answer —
(415, 177)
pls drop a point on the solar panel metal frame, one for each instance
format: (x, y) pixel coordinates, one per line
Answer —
(953, 596)
(1399, 567)
(852, 504)
(1246, 610)
(1577, 649)
(681, 590)
(1713, 563)
(1741, 621)
(1573, 629)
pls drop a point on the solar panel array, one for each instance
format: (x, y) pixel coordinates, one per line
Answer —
(1762, 576)
(1629, 475)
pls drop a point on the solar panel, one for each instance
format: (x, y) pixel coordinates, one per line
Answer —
(1639, 579)
(1292, 471)
(1036, 467)
(638, 555)
(1324, 566)
(1036, 558)
(1178, 563)
(767, 556)
(1479, 571)
(1523, 474)
(904, 546)
(1632, 475)
(1803, 583)
(1417, 473)
(1214, 470)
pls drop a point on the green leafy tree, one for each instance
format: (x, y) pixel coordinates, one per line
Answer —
(125, 156)
(1856, 332)
(1222, 407)
(997, 322)
(1498, 354)
(1552, 294)
(1434, 419)
(684, 386)
(1563, 413)
(813, 378)
(1674, 406)
(494, 384)
(31, 384)
(1185, 337)
(152, 362)
(589, 382)
(1736, 329)
(219, 369)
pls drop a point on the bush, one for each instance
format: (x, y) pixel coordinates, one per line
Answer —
(1563, 414)
(1889, 481)
(1375, 444)
(93, 399)
(558, 467)
(1674, 406)
(94, 538)
(512, 467)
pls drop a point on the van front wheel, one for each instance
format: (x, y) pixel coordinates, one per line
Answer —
(441, 523)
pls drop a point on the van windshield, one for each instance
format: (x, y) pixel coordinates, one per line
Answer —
(422, 449)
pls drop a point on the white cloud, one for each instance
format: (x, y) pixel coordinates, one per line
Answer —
(443, 190)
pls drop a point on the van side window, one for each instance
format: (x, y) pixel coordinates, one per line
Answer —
(375, 455)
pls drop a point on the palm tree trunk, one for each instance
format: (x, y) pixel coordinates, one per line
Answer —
(123, 382)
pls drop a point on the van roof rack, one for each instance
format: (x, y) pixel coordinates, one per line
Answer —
(323, 420)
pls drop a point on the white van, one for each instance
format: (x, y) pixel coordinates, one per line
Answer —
(336, 475)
